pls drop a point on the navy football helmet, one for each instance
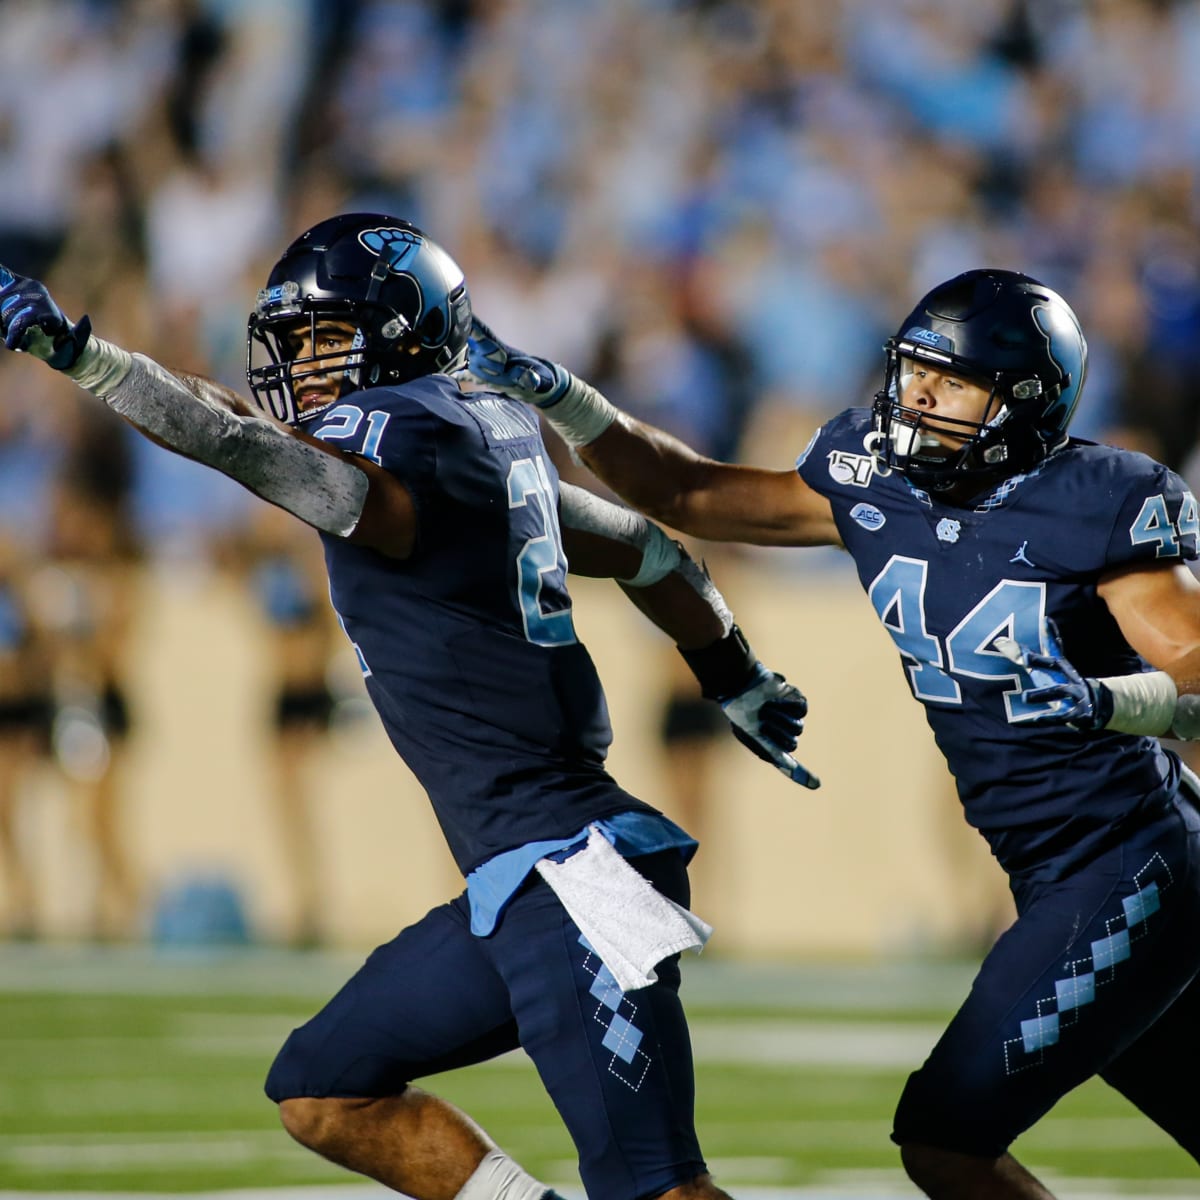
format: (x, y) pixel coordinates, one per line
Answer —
(403, 294)
(1007, 332)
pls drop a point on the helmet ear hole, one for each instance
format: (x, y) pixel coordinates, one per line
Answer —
(433, 328)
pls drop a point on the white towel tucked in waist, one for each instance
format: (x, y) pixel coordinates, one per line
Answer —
(630, 926)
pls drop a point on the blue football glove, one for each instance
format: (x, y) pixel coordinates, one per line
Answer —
(506, 369)
(1083, 704)
(768, 717)
(30, 321)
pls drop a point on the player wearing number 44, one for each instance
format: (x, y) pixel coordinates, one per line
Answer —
(445, 530)
(976, 523)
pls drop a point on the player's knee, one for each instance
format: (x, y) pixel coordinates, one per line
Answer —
(298, 1070)
(942, 1174)
(949, 1175)
(940, 1117)
(924, 1165)
(700, 1187)
(315, 1122)
(303, 1118)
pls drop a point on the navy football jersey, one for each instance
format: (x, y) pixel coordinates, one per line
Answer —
(468, 646)
(946, 581)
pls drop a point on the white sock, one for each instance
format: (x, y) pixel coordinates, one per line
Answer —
(499, 1178)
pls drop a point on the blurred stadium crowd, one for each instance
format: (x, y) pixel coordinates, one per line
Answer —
(717, 210)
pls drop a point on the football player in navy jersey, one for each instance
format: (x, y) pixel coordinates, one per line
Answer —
(993, 546)
(446, 538)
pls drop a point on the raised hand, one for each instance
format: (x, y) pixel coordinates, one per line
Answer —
(506, 369)
(31, 322)
(1081, 703)
(768, 717)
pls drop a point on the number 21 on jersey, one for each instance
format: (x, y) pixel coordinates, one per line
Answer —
(1012, 608)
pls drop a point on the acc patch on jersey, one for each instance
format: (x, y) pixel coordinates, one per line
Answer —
(868, 516)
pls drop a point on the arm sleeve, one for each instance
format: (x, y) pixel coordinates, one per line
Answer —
(189, 417)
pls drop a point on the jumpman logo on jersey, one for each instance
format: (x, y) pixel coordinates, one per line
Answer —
(1021, 556)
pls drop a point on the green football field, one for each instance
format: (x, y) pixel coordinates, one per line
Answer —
(129, 1072)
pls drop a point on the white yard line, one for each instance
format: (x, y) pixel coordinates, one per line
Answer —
(258, 971)
(865, 1045)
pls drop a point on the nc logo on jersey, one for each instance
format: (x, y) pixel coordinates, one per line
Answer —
(948, 530)
(853, 469)
(394, 245)
(868, 516)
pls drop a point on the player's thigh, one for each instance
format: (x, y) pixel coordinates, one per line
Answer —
(1089, 965)
(618, 1066)
(427, 1001)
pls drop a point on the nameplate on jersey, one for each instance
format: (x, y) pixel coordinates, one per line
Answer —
(855, 470)
(502, 420)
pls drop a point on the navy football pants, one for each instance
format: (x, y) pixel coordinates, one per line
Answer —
(617, 1066)
(1097, 976)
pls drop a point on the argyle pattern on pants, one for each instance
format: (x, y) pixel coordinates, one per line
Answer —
(1075, 992)
(615, 1012)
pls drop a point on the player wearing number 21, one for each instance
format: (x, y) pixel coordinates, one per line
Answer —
(446, 537)
(993, 546)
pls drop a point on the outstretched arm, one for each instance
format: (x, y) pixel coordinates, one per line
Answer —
(604, 540)
(720, 502)
(328, 489)
(652, 470)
